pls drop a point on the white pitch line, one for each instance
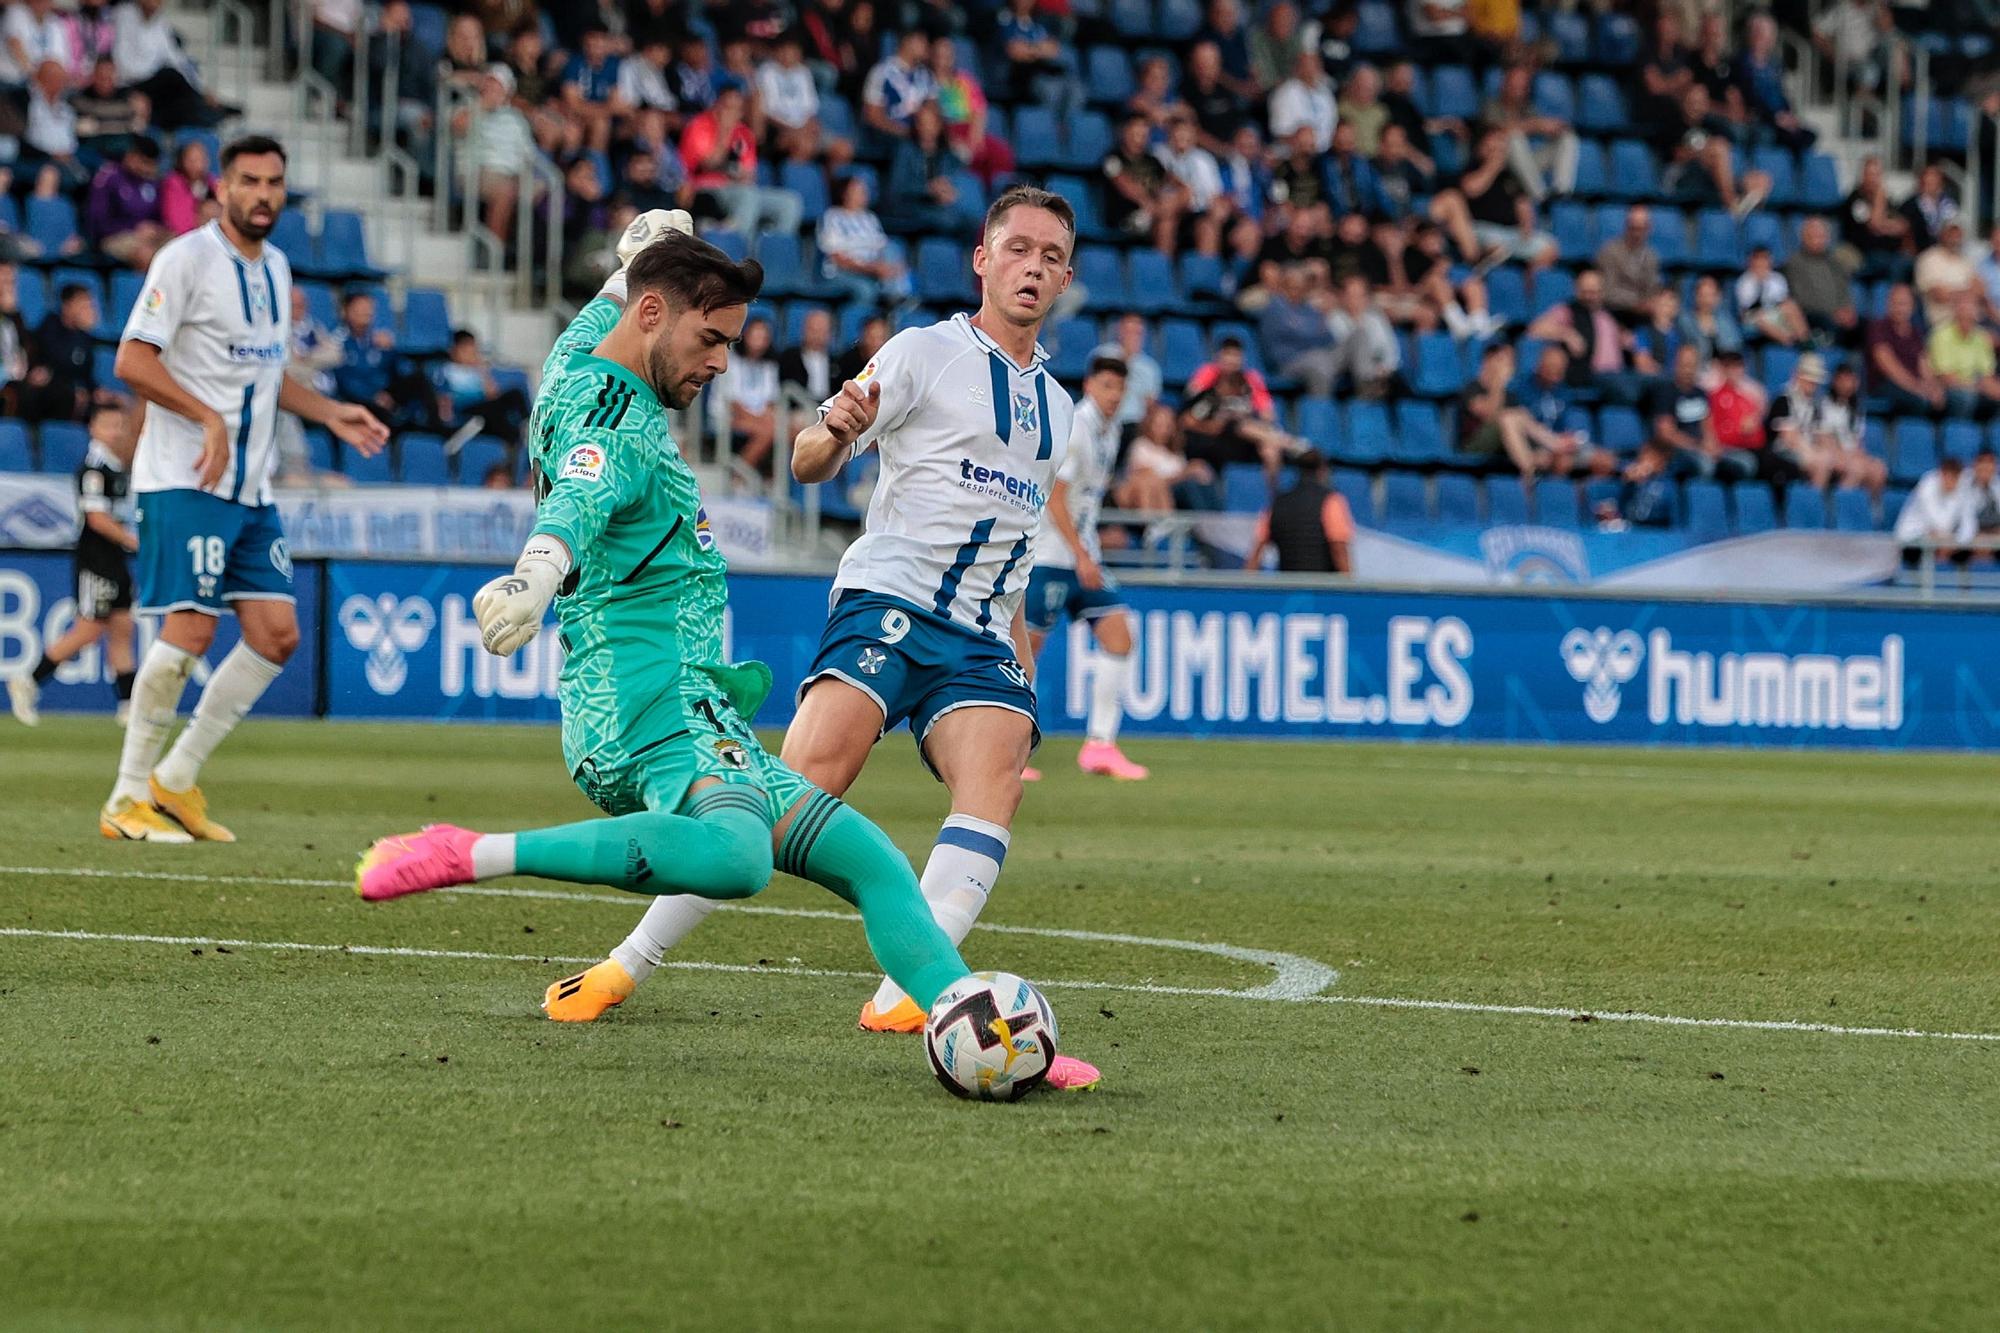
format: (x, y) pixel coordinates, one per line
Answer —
(1634, 1016)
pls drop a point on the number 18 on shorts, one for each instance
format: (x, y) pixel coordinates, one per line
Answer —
(198, 552)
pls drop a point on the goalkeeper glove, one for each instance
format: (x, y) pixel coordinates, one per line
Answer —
(648, 227)
(511, 607)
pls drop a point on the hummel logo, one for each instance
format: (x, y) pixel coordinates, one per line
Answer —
(977, 395)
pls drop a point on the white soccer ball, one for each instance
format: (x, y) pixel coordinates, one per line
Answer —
(991, 1037)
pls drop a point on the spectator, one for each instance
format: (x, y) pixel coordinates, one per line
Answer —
(150, 60)
(470, 401)
(1218, 110)
(1366, 355)
(874, 332)
(1645, 491)
(1437, 30)
(1843, 434)
(809, 367)
(1209, 209)
(1561, 446)
(315, 351)
(1739, 410)
(1761, 72)
(924, 193)
(1943, 272)
(1899, 367)
(692, 78)
(1681, 422)
(1246, 176)
(1988, 273)
(50, 142)
(1491, 422)
(465, 55)
(1230, 416)
(645, 78)
(642, 186)
(1299, 179)
(896, 87)
(1140, 197)
(1038, 67)
(855, 252)
(1793, 425)
(1821, 286)
(1857, 35)
(1305, 101)
(1143, 378)
(1985, 487)
(1347, 179)
(1714, 69)
(1362, 107)
(591, 96)
(188, 195)
(1631, 266)
(1870, 226)
(1276, 45)
(1304, 240)
(1695, 144)
(1961, 354)
(62, 376)
(1399, 96)
(122, 214)
(13, 338)
(335, 26)
(1297, 337)
(1155, 98)
(719, 154)
(1223, 25)
(1308, 523)
(1404, 178)
(1709, 327)
(1541, 149)
(394, 36)
(32, 34)
(744, 402)
(1927, 212)
(790, 99)
(93, 31)
(1599, 347)
(1159, 476)
(963, 103)
(1764, 301)
(367, 361)
(1940, 513)
(1487, 214)
(1355, 252)
(107, 116)
(500, 146)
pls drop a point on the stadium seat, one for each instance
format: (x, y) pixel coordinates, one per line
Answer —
(343, 246)
(1368, 438)
(51, 223)
(1670, 236)
(836, 117)
(1707, 511)
(943, 275)
(1404, 501)
(365, 470)
(1507, 294)
(1202, 277)
(1718, 245)
(808, 182)
(1133, 18)
(1082, 196)
(1358, 490)
(1592, 176)
(1149, 278)
(422, 461)
(1419, 435)
(1820, 188)
(1454, 96)
(1244, 490)
(1071, 344)
(1601, 106)
(319, 448)
(1319, 424)
(1458, 499)
(64, 444)
(1805, 507)
(1506, 501)
(1553, 287)
(1375, 33)
(731, 243)
(126, 286)
(1961, 440)
(795, 321)
(1570, 221)
(1617, 40)
(1634, 173)
(15, 455)
(1438, 372)
(426, 324)
(1779, 363)
(1782, 168)
(104, 360)
(1087, 144)
(87, 278)
(1556, 503)
(1754, 511)
(1620, 430)
(291, 236)
(1571, 34)
(1851, 511)
(784, 263)
(1102, 274)
(1915, 450)
(1554, 96)
(1182, 350)
(427, 27)
(33, 287)
(1107, 73)
(477, 458)
(1767, 230)
(1179, 19)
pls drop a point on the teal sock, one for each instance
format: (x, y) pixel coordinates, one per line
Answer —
(720, 849)
(832, 844)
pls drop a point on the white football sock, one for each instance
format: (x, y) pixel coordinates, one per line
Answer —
(232, 690)
(957, 880)
(156, 700)
(1107, 696)
(666, 923)
(492, 855)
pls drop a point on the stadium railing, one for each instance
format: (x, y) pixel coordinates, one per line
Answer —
(1930, 587)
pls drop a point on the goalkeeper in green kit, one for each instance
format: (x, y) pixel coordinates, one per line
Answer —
(655, 723)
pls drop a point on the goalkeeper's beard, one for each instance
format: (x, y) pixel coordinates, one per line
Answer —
(673, 388)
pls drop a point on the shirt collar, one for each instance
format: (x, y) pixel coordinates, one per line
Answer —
(978, 336)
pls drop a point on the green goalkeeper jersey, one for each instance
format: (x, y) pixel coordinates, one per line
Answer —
(644, 603)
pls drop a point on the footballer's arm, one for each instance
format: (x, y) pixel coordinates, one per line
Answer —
(140, 366)
(821, 448)
(353, 423)
(1057, 512)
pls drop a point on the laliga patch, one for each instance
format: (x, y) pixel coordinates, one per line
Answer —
(867, 373)
(732, 755)
(155, 300)
(585, 463)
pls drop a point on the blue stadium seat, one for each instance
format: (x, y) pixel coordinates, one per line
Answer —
(1779, 363)
(1037, 139)
(1179, 19)
(1438, 372)
(783, 259)
(1961, 440)
(52, 223)
(478, 457)
(1404, 500)
(1602, 491)
(1618, 40)
(836, 117)
(808, 182)
(15, 456)
(1319, 424)
(1368, 437)
(1670, 236)
(1820, 189)
(1717, 243)
(1358, 490)
(365, 470)
(321, 304)
(1851, 512)
(1556, 503)
(795, 321)
(1107, 73)
(1149, 280)
(105, 361)
(1916, 449)
(1620, 430)
(1375, 34)
(1133, 18)
(1805, 507)
(1458, 499)
(126, 286)
(1554, 96)
(1244, 490)
(1088, 142)
(1419, 434)
(1202, 277)
(1553, 287)
(1102, 274)
(1571, 34)
(1074, 340)
(1782, 167)
(1754, 512)
(1576, 239)
(1592, 176)
(1634, 173)
(426, 326)
(1767, 230)
(319, 449)
(423, 461)
(343, 245)
(1707, 511)
(731, 243)
(1893, 501)
(943, 275)
(290, 235)
(64, 444)
(427, 27)
(1507, 294)
(1506, 502)
(1601, 106)
(87, 278)
(1183, 347)
(1454, 96)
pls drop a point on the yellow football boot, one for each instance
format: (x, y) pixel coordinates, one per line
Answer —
(903, 1016)
(135, 821)
(585, 996)
(190, 809)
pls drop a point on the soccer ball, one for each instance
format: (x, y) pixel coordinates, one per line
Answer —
(991, 1037)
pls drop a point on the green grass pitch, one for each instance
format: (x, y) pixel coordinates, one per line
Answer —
(205, 1137)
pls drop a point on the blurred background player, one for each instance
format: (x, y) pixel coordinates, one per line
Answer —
(926, 619)
(205, 347)
(656, 722)
(1069, 582)
(103, 568)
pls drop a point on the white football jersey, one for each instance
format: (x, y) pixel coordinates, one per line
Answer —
(1086, 468)
(222, 324)
(970, 444)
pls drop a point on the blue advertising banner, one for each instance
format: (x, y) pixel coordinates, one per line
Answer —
(38, 603)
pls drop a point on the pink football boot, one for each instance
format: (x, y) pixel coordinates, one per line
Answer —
(436, 858)
(1104, 757)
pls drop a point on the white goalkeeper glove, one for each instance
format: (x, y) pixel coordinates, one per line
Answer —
(648, 227)
(511, 607)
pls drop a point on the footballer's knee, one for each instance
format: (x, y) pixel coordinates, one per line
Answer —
(742, 863)
(274, 643)
(190, 631)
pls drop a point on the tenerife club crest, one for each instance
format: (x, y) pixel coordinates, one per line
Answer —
(1024, 413)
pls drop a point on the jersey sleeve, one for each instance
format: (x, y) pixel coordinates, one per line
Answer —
(589, 328)
(897, 368)
(594, 476)
(163, 304)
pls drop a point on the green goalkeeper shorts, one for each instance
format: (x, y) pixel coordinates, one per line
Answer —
(712, 741)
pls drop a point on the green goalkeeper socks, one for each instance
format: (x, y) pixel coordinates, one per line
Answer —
(833, 845)
(720, 849)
